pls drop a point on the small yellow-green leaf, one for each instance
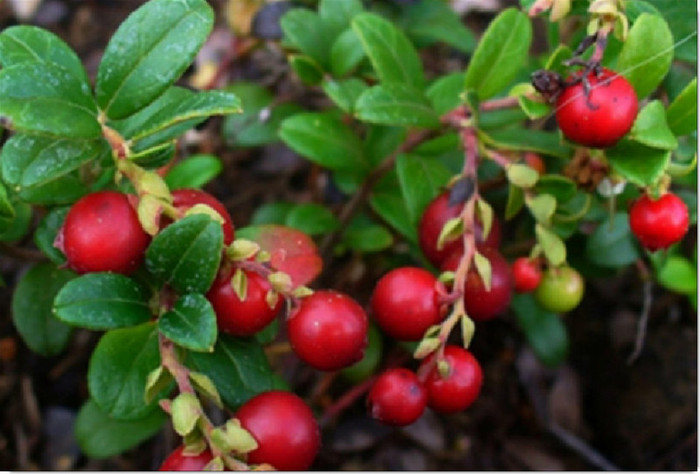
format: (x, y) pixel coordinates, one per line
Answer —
(552, 245)
(185, 411)
(483, 267)
(542, 207)
(280, 281)
(149, 210)
(206, 387)
(485, 216)
(452, 229)
(426, 347)
(206, 210)
(157, 381)
(468, 328)
(242, 249)
(522, 175)
(239, 283)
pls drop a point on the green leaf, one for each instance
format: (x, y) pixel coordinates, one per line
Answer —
(101, 436)
(153, 158)
(306, 31)
(520, 139)
(364, 235)
(542, 207)
(381, 141)
(194, 171)
(420, 180)
(323, 139)
(238, 367)
(103, 301)
(186, 254)
(552, 245)
(46, 232)
(29, 89)
(191, 323)
(678, 274)
(347, 53)
(175, 118)
(650, 127)
(646, 54)
(18, 227)
(637, 163)
(521, 175)
(345, 92)
(682, 114)
(312, 219)
(396, 104)
(682, 20)
(271, 213)
(118, 370)
(435, 20)
(515, 202)
(28, 44)
(44, 170)
(306, 69)
(149, 52)
(501, 53)
(386, 202)
(561, 187)
(31, 309)
(445, 92)
(392, 55)
(337, 14)
(7, 210)
(544, 330)
(612, 244)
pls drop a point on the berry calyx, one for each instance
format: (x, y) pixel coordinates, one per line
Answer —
(284, 428)
(404, 303)
(482, 304)
(659, 223)
(328, 330)
(242, 317)
(179, 461)
(560, 290)
(461, 385)
(602, 115)
(102, 233)
(184, 199)
(526, 274)
(397, 397)
(436, 214)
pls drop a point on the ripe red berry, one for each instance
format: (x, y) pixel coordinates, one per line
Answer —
(102, 233)
(328, 330)
(178, 461)
(397, 397)
(601, 117)
(526, 274)
(659, 223)
(404, 303)
(242, 318)
(184, 199)
(482, 304)
(460, 387)
(284, 428)
(436, 214)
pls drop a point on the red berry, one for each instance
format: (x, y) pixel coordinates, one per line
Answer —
(178, 461)
(328, 330)
(284, 428)
(482, 304)
(659, 223)
(102, 233)
(242, 318)
(184, 199)
(433, 220)
(460, 387)
(404, 303)
(534, 161)
(601, 117)
(397, 397)
(526, 274)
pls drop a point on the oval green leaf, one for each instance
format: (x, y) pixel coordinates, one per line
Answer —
(612, 244)
(396, 104)
(638, 163)
(544, 330)
(46, 232)
(420, 180)
(312, 219)
(682, 114)
(650, 127)
(678, 274)
(194, 172)
(191, 323)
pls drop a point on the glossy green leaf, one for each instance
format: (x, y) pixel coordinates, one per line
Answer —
(306, 31)
(194, 171)
(32, 301)
(29, 89)
(345, 92)
(682, 113)
(391, 206)
(18, 227)
(501, 52)
(27, 44)
(646, 54)
(312, 219)
(118, 369)
(101, 436)
(391, 53)
(306, 69)
(558, 186)
(46, 232)
(544, 330)
(238, 367)
(431, 20)
(191, 323)
(612, 244)
(445, 92)
(678, 274)
(381, 141)
(103, 301)
(337, 14)
(186, 254)
(396, 104)
(323, 139)
(515, 201)
(7, 210)
(637, 163)
(347, 53)
(44, 170)
(420, 180)
(682, 21)
(149, 52)
(520, 139)
(364, 235)
(650, 127)
(155, 157)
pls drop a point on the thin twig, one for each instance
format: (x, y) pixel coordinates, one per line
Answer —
(582, 448)
(642, 324)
